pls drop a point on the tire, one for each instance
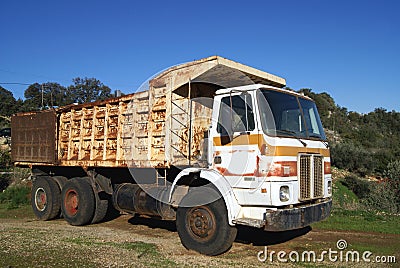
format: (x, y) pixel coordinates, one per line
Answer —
(205, 228)
(45, 198)
(101, 210)
(78, 202)
(101, 206)
(60, 180)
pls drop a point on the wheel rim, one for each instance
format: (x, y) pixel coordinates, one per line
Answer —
(71, 202)
(201, 222)
(40, 199)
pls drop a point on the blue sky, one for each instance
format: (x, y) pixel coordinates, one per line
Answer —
(350, 49)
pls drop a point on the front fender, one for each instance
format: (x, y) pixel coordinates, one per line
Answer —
(218, 181)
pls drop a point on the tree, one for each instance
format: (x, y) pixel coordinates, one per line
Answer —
(54, 94)
(87, 90)
(8, 102)
(50, 94)
(393, 170)
(33, 98)
(8, 106)
(44, 95)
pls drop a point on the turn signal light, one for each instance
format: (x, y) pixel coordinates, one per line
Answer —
(283, 169)
(327, 167)
(263, 190)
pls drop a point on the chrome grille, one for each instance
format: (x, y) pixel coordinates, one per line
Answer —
(318, 176)
(305, 177)
(311, 176)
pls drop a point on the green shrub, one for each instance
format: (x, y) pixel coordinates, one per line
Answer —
(351, 157)
(344, 198)
(374, 196)
(15, 196)
(5, 159)
(393, 170)
(4, 181)
(383, 197)
(358, 186)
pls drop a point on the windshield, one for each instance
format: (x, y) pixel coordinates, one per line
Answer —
(289, 115)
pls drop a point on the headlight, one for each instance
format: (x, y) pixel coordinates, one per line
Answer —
(329, 187)
(284, 194)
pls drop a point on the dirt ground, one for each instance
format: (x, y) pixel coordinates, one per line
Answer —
(129, 241)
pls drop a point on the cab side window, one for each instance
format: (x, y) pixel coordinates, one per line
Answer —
(236, 115)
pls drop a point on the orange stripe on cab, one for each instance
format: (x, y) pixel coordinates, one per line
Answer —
(258, 139)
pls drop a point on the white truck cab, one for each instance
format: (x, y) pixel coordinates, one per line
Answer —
(270, 146)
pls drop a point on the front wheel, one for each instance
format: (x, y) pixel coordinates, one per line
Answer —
(204, 227)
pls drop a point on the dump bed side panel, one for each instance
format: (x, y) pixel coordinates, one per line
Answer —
(102, 134)
(155, 128)
(34, 137)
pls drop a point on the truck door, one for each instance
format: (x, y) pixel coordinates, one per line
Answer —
(235, 139)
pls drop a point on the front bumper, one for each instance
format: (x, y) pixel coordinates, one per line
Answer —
(295, 218)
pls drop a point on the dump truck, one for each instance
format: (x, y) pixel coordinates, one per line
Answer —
(210, 144)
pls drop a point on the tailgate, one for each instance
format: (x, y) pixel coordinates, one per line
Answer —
(33, 137)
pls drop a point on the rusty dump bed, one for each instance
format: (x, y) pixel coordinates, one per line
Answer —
(162, 126)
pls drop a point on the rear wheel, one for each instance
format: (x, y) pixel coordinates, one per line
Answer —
(60, 180)
(101, 205)
(78, 202)
(101, 209)
(45, 198)
(204, 227)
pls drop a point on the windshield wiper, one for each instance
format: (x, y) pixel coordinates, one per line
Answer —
(319, 136)
(293, 134)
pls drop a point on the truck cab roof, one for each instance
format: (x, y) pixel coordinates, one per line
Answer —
(258, 86)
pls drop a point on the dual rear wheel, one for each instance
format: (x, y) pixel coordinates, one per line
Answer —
(46, 198)
(74, 199)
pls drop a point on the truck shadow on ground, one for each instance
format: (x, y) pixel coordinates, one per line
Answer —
(153, 223)
(259, 237)
(245, 235)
